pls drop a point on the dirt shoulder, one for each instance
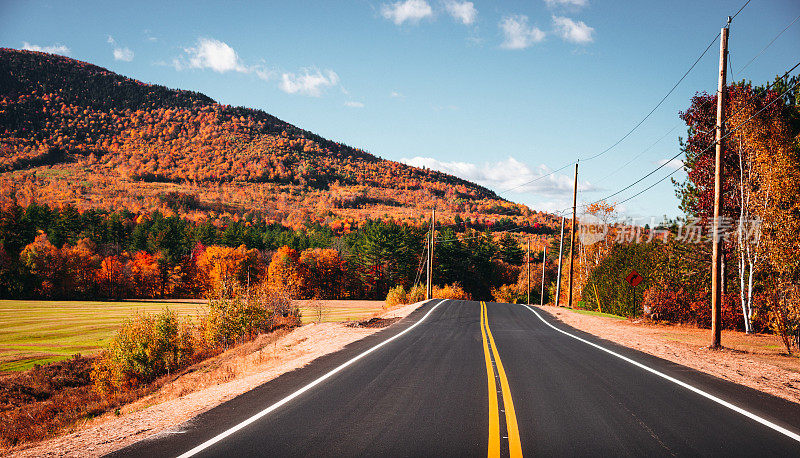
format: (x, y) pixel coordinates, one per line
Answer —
(758, 361)
(208, 384)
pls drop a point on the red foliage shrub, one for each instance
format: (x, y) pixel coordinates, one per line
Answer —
(675, 305)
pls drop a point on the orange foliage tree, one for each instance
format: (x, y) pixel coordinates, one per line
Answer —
(325, 273)
(285, 272)
(144, 274)
(219, 264)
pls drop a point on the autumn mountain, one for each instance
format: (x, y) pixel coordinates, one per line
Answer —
(72, 132)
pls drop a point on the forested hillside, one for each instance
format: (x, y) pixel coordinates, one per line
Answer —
(74, 133)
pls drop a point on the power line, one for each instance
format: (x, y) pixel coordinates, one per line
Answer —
(728, 134)
(659, 103)
(769, 44)
(768, 87)
(640, 154)
(421, 260)
(640, 122)
(536, 179)
(663, 99)
(559, 212)
(737, 13)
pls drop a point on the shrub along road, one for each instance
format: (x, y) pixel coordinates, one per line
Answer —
(463, 378)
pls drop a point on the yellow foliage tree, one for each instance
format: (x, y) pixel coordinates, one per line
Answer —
(285, 272)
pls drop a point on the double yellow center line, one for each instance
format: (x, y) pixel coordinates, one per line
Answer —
(514, 445)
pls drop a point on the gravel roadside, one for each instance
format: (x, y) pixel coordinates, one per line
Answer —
(756, 361)
(218, 380)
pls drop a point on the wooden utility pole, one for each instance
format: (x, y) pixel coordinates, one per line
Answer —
(428, 264)
(560, 254)
(529, 270)
(544, 261)
(572, 233)
(431, 244)
(716, 250)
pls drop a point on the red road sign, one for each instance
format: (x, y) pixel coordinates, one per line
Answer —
(634, 278)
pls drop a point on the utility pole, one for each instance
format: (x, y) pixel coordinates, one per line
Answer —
(431, 243)
(560, 254)
(716, 250)
(428, 264)
(544, 261)
(529, 270)
(572, 233)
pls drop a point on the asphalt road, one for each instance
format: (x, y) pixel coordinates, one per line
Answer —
(428, 392)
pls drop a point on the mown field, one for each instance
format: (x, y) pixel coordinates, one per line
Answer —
(338, 310)
(39, 332)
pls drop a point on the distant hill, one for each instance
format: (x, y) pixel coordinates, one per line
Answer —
(75, 133)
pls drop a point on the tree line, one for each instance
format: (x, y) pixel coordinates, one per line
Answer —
(49, 252)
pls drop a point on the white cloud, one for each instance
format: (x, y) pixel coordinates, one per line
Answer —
(310, 82)
(124, 54)
(396, 95)
(213, 54)
(505, 175)
(673, 164)
(575, 32)
(52, 49)
(410, 10)
(463, 12)
(518, 34)
(264, 74)
(570, 3)
(353, 104)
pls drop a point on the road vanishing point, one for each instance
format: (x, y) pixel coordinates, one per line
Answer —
(465, 378)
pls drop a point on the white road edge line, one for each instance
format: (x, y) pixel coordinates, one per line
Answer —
(722, 402)
(297, 393)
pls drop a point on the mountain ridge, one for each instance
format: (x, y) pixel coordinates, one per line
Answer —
(94, 134)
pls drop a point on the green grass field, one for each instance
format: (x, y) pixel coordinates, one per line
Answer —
(340, 310)
(596, 313)
(39, 332)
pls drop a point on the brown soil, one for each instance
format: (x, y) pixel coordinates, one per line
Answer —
(374, 323)
(204, 386)
(758, 361)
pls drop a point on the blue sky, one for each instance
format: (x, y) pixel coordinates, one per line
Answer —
(495, 92)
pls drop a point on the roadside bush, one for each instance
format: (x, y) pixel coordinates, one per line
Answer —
(145, 347)
(507, 294)
(399, 296)
(237, 313)
(415, 294)
(396, 296)
(675, 305)
(606, 289)
(452, 291)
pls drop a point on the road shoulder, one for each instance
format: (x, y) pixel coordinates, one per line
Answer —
(766, 370)
(173, 407)
(706, 369)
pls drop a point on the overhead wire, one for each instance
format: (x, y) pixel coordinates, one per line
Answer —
(737, 13)
(770, 43)
(713, 144)
(620, 140)
(666, 162)
(658, 104)
(694, 64)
